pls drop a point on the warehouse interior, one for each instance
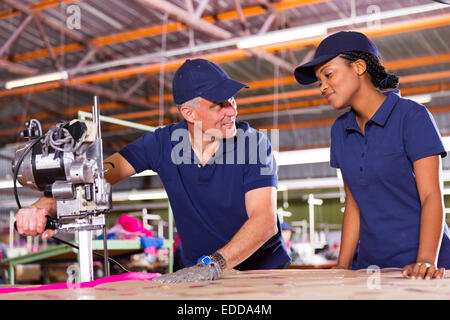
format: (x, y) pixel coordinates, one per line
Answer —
(56, 55)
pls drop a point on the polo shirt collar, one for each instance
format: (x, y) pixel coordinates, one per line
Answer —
(227, 146)
(381, 115)
(384, 111)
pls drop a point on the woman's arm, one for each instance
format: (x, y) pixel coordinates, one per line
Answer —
(350, 231)
(427, 171)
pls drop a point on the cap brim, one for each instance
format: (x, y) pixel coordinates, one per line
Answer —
(223, 91)
(305, 74)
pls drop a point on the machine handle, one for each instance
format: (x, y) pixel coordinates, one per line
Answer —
(52, 223)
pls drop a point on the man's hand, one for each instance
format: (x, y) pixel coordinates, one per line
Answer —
(423, 271)
(31, 222)
(198, 272)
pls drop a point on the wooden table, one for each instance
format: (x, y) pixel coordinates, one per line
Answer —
(265, 285)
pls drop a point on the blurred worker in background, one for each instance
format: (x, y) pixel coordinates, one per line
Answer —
(223, 198)
(286, 232)
(388, 149)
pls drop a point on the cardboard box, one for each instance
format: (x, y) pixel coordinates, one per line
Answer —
(28, 272)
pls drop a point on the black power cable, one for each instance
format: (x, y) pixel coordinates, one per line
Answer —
(16, 195)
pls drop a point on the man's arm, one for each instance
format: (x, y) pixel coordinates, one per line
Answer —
(31, 221)
(260, 226)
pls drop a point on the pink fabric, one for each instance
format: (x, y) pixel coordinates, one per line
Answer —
(151, 250)
(90, 284)
(131, 224)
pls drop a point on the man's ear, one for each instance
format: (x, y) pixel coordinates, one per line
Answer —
(188, 113)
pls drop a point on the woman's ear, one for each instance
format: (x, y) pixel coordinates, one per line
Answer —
(359, 66)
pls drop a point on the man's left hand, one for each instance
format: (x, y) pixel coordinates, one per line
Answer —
(198, 272)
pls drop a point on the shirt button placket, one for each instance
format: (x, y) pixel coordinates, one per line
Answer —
(363, 153)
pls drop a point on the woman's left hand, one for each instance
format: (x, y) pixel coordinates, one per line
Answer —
(421, 270)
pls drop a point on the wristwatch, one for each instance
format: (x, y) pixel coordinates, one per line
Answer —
(217, 259)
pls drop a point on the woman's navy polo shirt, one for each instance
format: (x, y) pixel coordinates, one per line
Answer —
(208, 202)
(378, 168)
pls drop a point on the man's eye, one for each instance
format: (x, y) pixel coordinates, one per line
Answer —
(328, 74)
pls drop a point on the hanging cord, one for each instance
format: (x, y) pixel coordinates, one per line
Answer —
(16, 196)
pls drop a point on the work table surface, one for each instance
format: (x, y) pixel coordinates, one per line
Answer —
(290, 284)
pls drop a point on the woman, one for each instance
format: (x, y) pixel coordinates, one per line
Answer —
(388, 149)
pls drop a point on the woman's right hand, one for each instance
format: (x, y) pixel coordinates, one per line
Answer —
(31, 222)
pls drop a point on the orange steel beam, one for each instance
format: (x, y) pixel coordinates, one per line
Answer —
(159, 29)
(248, 100)
(327, 122)
(264, 98)
(385, 30)
(315, 91)
(230, 55)
(390, 65)
(242, 111)
(36, 7)
(124, 73)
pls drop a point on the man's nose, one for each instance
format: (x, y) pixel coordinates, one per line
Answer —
(230, 109)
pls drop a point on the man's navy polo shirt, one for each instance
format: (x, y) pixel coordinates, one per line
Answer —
(378, 168)
(208, 202)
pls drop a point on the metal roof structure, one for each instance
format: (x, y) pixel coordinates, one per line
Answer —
(126, 52)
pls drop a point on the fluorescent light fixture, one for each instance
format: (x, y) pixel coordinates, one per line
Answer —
(294, 157)
(446, 143)
(282, 36)
(144, 174)
(420, 98)
(37, 79)
(141, 195)
(311, 183)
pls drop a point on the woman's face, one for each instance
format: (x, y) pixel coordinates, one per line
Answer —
(338, 81)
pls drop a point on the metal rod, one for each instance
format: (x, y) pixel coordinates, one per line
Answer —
(15, 35)
(105, 252)
(84, 115)
(85, 256)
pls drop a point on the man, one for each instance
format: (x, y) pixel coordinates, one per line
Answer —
(223, 194)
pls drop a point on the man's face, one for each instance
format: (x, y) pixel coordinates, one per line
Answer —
(217, 118)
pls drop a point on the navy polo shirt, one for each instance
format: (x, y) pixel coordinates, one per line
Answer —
(208, 202)
(378, 168)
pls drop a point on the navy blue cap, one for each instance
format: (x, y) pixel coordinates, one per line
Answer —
(331, 47)
(203, 78)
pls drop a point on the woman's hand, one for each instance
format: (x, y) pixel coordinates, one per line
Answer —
(421, 270)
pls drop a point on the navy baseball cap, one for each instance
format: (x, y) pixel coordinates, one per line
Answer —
(203, 78)
(331, 47)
